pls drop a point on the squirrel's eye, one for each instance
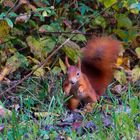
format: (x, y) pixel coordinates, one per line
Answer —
(78, 73)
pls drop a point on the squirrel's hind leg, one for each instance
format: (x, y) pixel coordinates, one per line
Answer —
(73, 103)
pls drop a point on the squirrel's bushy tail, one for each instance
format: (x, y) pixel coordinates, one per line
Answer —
(98, 60)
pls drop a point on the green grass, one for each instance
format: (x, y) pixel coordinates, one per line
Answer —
(45, 95)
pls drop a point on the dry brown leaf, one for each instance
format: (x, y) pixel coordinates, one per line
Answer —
(4, 29)
(136, 42)
(4, 72)
(107, 106)
(26, 2)
(22, 18)
(8, 3)
(88, 108)
(62, 65)
(39, 3)
(117, 88)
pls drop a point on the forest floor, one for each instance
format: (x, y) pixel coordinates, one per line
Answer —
(38, 111)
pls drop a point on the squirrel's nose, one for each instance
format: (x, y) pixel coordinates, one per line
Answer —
(72, 82)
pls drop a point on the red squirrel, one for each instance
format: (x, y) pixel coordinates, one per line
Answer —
(88, 80)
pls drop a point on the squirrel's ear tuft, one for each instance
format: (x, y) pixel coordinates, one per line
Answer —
(79, 63)
(67, 62)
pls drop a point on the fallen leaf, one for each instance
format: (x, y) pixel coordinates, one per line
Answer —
(123, 62)
(22, 18)
(8, 3)
(45, 114)
(73, 117)
(107, 107)
(117, 88)
(4, 29)
(88, 108)
(39, 72)
(137, 50)
(120, 76)
(4, 72)
(62, 65)
(136, 74)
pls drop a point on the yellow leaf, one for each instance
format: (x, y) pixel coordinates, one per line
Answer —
(62, 65)
(136, 74)
(33, 60)
(137, 50)
(123, 62)
(39, 72)
(4, 72)
(56, 70)
(16, 61)
(120, 76)
(44, 14)
(4, 29)
(119, 61)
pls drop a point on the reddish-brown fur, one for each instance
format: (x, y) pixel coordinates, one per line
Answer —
(95, 70)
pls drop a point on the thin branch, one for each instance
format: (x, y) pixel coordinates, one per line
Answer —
(83, 33)
(76, 32)
(11, 8)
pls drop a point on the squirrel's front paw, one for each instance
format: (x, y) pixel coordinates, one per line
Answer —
(66, 91)
(80, 91)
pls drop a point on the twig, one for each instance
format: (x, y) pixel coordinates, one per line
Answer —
(132, 52)
(83, 33)
(11, 8)
(51, 54)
